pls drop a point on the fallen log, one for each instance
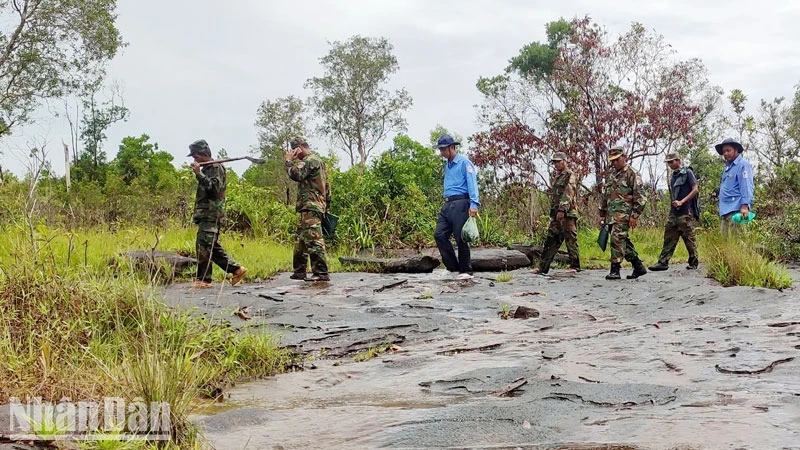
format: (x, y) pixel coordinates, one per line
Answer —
(497, 259)
(405, 264)
(534, 253)
(168, 264)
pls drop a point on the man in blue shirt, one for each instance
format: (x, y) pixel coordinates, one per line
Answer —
(736, 188)
(461, 202)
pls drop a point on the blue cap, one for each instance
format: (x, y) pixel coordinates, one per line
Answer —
(446, 141)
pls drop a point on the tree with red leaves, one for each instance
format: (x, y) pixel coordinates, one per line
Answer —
(581, 93)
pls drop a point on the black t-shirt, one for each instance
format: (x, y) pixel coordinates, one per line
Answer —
(682, 181)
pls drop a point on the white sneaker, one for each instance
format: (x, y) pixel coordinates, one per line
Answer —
(464, 276)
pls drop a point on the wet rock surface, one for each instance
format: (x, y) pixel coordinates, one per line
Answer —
(631, 364)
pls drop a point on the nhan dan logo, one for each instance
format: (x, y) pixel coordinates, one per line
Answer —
(108, 420)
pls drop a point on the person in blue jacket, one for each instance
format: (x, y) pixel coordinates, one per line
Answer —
(461, 202)
(736, 187)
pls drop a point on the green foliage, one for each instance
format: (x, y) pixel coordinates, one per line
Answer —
(66, 332)
(252, 208)
(355, 108)
(735, 261)
(52, 48)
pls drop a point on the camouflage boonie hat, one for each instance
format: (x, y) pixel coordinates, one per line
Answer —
(559, 156)
(199, 147)
(297, 142)
(672, 157)
(615, 152)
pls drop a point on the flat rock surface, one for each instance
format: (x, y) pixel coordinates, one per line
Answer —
(631, 364)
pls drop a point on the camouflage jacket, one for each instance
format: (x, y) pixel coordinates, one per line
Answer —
(624, 193)
(209, 202)
(564, 191)
(314, 190)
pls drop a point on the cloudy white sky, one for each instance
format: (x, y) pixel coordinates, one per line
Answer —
(200, 68)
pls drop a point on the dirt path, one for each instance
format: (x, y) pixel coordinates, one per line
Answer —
(657, 363)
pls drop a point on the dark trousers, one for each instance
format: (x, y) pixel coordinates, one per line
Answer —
(209, 251)
(452, 217)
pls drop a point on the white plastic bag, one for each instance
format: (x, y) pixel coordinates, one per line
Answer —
(469, 233)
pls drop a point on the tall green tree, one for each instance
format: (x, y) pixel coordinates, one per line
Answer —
(52, 48)
(139, 159)
(581, 92)
(98, 116)
(356, 109)
(277, 122)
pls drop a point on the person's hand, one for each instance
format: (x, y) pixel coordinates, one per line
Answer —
(560, 216)
(195, 167)
(291, 155)
(677, 203)
(745, 210)
(473, 212)
(633, 222)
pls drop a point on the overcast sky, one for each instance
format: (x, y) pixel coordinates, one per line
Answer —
(199, 68)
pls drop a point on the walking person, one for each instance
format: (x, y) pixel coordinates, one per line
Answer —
(736, 187)
(313, 200)
(622, 204)
(209, 212)
(563, 216)
(461, 202)
(683, 214)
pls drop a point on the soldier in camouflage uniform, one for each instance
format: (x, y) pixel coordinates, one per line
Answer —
(313, 197)
(683, 214)
(622, 204)
(209, 212)
(563, 217)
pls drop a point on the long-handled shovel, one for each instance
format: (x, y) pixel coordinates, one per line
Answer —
(249, 158)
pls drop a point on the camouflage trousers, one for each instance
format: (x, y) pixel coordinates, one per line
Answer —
(209, 251)
(679, 227)
(621, 245)
(309, 245)
(558, 232)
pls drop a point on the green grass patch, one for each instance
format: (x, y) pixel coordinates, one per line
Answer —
(371, 352)
(93, 251)
(735, 260)
(647, 241)
(504, 277)
(80, 332)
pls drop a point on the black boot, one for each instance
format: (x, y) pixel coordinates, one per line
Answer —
(693, 262)
(659, 266)
(614, 274)
(638, 269)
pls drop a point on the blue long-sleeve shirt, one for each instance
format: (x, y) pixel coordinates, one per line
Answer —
(461, 177)
(736, 188)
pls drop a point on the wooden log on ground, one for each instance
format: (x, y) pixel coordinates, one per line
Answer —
(498, 259)
(405, 264)
(534, 253)
(163, 263)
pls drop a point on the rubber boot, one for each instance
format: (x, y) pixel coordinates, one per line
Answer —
(638, 270)
(614, 274)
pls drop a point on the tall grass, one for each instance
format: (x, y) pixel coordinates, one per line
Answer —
(735, 260)
(93, 251)
(84, 332)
